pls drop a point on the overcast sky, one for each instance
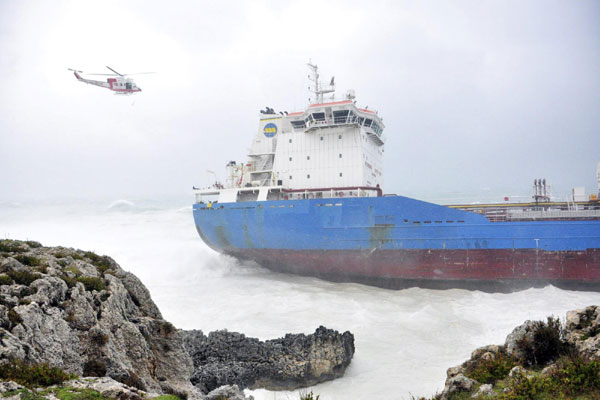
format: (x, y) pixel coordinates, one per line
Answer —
(476, 95)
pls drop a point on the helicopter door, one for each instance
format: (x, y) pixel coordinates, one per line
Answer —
(128, 86)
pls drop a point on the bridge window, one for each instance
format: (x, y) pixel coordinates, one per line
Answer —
(339, 117)
(368, 122)
(340, 174)
(298, 124)
(308, 176)
(319, 116)
(290, 158)
(290, 140)
(308, 157)
(340, 155)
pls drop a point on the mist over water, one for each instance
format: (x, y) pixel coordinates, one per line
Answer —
(405, 339)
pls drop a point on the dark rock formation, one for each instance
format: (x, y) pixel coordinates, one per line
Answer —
(226, 358)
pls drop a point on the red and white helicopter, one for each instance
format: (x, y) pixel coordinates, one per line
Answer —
(120, 83)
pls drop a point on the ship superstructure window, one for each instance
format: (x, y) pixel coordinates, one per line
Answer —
(290, 140)
(308, 176)
(340, 174)
(308, 157)
(290, 177)
(340, 117)
(298, 124)
(321, 137)
(340, 155)
(319, 117)
(290, 158)
(339, 136)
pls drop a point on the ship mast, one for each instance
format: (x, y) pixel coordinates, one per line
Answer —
(317, 88)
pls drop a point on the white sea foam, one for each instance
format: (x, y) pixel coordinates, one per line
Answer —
(121, 205)
(405, 339)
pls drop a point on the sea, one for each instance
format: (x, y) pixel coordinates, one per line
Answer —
(405, 339)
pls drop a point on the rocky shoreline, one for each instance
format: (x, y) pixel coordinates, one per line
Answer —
(84, 314)
(538, 360)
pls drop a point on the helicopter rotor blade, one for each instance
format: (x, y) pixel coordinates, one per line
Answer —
(75, 70)
(114, 71)
(141, 73)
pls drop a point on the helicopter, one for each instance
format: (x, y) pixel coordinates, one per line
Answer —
(120, 83)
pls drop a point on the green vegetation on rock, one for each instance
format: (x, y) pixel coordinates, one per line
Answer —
(32, 375)
(11, 246)
(24, 277)
(31, 261)
(492, 370)
(547, 344)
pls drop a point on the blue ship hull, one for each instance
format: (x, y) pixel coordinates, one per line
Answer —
(397, 241)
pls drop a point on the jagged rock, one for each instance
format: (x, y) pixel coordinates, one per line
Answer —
(84, 314)
(228, 392)
(224, 358)
(484, 390)
(110, 388)
(458, 383)
(582, 331)
(479, 352)
(524, 330)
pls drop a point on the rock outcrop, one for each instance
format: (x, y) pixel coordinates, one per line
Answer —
(81, 312)
(226, 358)
(577, 342)
(84, 314)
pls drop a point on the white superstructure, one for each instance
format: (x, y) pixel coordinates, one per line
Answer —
(331, 149)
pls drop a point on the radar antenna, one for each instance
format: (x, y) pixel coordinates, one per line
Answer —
(317, 87)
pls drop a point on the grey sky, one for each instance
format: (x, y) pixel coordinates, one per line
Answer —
(475, 95)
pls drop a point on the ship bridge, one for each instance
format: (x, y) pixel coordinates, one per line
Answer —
(332, 148)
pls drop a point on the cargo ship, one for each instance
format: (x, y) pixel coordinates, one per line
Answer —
(309, 201)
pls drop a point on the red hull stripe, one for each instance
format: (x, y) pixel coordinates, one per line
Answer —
(445, 265)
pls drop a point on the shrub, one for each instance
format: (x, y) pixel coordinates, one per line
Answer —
(5, 280)
(11, 246)
(33, 244)
(490, 371)
(28, 260)
(24, 277)
(73, 269)
(32, 374)
(91, 283)
(102, 263)
(309, 396)
(576, 375)
(525, 388)
(547, 343)
(71, 282)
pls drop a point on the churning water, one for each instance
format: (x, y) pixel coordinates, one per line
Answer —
(405, 340)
